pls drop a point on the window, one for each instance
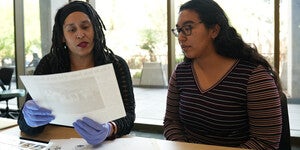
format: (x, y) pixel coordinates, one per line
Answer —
(7, 43)
(32, 29)
(38, 33)
(138, 33)
(289, 59)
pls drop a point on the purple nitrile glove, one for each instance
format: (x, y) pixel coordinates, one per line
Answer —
(93, 132)
(35, 115)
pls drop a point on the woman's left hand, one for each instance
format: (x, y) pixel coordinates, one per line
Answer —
(93, 132)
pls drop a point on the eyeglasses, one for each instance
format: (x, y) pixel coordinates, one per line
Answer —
(185, 29)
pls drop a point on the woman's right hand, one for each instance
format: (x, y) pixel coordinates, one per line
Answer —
(35, 115)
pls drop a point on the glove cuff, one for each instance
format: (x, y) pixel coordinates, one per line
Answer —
(114, 131)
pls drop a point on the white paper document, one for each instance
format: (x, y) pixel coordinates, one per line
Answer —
(126, 143)
(90, 93)
(9, 142)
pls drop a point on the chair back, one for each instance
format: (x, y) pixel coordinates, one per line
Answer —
(285, 143)
(5, 77)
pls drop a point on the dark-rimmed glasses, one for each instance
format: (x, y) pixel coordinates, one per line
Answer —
(185, 29)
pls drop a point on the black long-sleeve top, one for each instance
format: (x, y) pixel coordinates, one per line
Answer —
(48, 65)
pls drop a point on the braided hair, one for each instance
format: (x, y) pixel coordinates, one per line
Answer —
(59, 50)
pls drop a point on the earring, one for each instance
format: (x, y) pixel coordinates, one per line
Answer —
(65, 46)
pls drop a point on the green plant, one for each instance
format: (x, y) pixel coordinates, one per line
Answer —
(137, 74)
(149, 42)
(7, 46)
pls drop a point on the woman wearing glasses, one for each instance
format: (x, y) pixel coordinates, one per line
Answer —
(225, 92)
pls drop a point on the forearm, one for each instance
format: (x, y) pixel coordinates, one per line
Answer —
(173, 131)
(173, 128)
(124, 125)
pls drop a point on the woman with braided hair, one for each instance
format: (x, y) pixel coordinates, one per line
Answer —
(78, 42)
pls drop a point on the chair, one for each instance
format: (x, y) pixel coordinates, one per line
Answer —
(285, 143)
(7, 93)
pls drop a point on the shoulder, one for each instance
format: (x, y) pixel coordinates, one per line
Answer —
(245, 67)
(119, 62)
(261, 73)
(120, 65)
(257, 73)
(182, 69)
(252, 66)
(47, 65)
(46, 58)
(120, 59)
(44, 65)
(183, 66)
(247, 64)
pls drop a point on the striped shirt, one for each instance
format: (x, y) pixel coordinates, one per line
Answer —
(241, 110)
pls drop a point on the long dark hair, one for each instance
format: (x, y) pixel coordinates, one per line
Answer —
(59, 49)
(228, 43)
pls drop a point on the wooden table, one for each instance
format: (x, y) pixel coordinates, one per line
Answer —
(124, 143)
